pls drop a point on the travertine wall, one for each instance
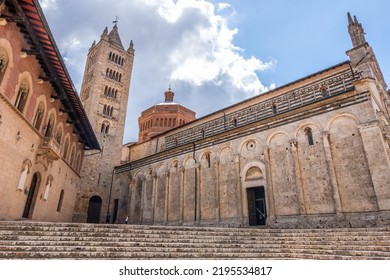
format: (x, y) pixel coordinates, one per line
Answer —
(326, 182)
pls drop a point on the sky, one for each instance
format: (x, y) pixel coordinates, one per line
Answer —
(216, 53)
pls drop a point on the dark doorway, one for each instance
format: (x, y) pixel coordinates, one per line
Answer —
(94, 207)
(116, 206)
(256, 206)
(31, 197)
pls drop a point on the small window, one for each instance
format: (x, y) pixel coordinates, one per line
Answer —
(324, 91)
(309, 135)
(235, 122)
(208, 160)
(274, 109)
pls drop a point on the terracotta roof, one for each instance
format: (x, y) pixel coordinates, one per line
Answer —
(34, 25)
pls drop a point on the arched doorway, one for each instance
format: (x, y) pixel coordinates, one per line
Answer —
(257, 212)
(31, 197)
(94, 208)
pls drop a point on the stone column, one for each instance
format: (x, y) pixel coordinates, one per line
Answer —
(197, 192)
(217, 194)
(331, 173)
(298, 177)
(143, 193)
(239, 191)
(182, 171)
(154, 193)
(378, 161)
(167, 175)
(269, 187)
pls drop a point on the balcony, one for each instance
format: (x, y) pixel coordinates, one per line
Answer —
(49, 149)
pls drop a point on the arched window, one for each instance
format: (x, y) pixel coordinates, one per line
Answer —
(108, 72)
(49, 128)
(66, 148)
(38, 117)
(309, 135)
(105, 90)
(111, 111)
(3, 62)
(120, 78)
(103, 128)
(59, 136)
(59, 205)
(105, 110)
(107, 129)
(21, 98)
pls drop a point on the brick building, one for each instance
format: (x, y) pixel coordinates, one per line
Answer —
(162, 117)
(44, 129)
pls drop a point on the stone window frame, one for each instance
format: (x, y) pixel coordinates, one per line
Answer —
(21, 98)
(37, 122)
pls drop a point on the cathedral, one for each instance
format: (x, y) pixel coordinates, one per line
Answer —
(312, 153)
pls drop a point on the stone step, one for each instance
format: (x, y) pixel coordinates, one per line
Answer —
(42, 245)
(14, 235)
(25, 240)
(180, 255)
(133, 228)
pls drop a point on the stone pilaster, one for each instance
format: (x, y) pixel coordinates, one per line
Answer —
(331, 172)
(298, 177)
(378, 162)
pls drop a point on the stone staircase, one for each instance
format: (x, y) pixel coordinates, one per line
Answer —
(39, 240)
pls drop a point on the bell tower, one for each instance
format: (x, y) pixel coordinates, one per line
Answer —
(104, 94)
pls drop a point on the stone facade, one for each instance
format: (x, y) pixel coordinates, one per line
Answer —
(104, 94)
(312, 153)
(43, 130)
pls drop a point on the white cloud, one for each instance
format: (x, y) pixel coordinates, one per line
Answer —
(222, 6)
(186, 43)
(206, 52)
(48, 4)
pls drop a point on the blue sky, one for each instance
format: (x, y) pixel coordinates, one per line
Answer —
(216, 53)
